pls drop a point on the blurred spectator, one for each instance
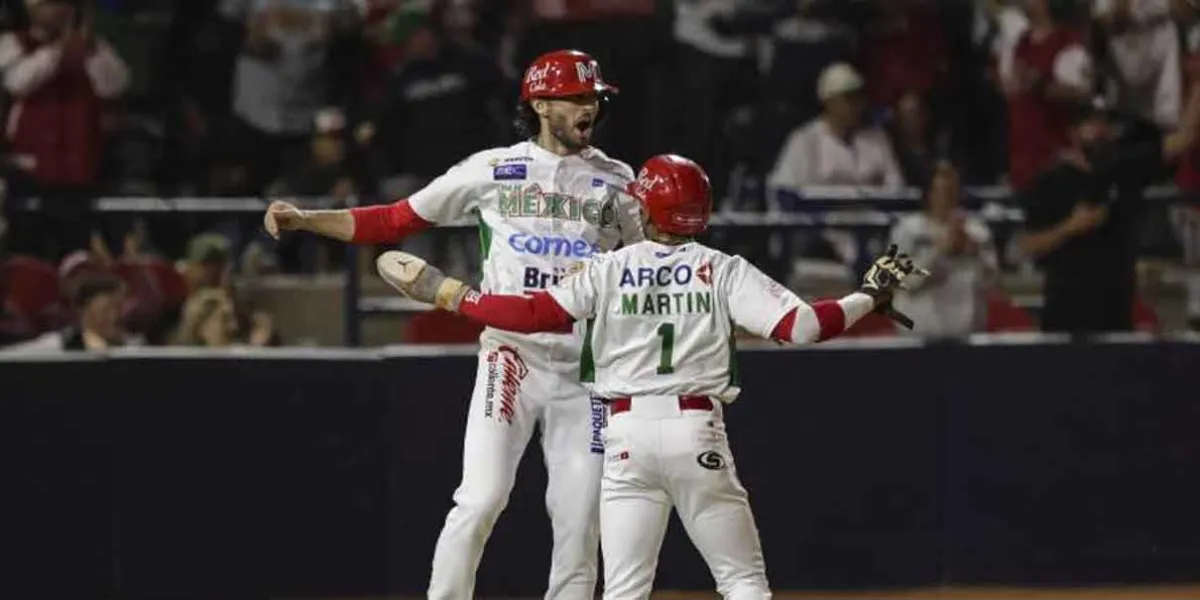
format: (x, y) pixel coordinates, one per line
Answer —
(1049, 71)
(209, 262)
(446, 102)
(998, 27)
(957, 250)
(838, 147)
(803, 44)
(141, 301)
(209, 266)
(60, 75)
(324, 172)
(1186, 217)
(918, 145)
(77, 267)
(904, 51)
(1082, 219)
(1141, 45)
(387, 24)
(210, 320)
(981, 47)
(281, 79)
(97, 302)
(14, 327)
(137, 31)
(716, 71)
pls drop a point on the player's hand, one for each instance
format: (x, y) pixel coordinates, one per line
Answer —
(888, 272)
(282, 216)
(887, 275)
(420, 280)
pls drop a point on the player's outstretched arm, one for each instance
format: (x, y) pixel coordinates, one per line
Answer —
(424, 282)
(361, 225)
(825, 319)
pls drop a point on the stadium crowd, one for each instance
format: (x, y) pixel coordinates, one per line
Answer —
(366, 100)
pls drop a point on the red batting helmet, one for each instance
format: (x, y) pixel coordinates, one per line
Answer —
(675, 193)
(563, 73)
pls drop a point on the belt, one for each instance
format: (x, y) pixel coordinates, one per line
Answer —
(620, 405)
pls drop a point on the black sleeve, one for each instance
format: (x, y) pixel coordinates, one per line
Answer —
(1137, 163)
(1038, 203)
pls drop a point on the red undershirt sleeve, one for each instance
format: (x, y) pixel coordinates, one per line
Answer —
(830, 317)
(386, 223)
(522, 314)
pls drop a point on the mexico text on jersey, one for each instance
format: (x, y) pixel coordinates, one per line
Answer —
(539, 214)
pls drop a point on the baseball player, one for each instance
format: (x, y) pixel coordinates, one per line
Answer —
(661, 317)
(543, 205)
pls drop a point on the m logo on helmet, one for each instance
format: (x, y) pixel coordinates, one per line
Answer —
(587, 71)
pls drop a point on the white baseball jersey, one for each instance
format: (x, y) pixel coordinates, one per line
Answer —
(950, 302)
(539, 215)
(661, 319)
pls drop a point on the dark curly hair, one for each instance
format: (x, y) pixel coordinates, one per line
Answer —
(526, 122)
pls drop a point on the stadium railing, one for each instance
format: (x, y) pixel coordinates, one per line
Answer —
(863, 210)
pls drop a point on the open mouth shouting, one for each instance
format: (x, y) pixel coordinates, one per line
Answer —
(584, 126)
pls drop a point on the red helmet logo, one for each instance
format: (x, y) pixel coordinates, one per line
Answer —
(675, 193)
(563, 73)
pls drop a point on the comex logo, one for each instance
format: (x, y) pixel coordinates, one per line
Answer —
(551, 245)
(711, 460)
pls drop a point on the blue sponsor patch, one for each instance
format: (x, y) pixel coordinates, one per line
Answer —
(508, 172)
(597, 182)
(598, 423)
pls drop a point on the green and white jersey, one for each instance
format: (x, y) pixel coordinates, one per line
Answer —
(662, 318)
(539, 215)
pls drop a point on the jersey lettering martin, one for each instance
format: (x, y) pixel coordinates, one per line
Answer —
(662, 317)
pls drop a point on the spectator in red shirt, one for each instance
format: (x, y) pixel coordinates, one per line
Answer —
(60, 76)
(1049, 72)
(905, 51)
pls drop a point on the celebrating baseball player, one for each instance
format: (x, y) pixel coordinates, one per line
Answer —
(659, 351)
(543, 205)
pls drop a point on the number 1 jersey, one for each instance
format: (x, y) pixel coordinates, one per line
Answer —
(661, 319)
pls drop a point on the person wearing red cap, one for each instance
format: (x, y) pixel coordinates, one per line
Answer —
(543, 205)
(661, 316)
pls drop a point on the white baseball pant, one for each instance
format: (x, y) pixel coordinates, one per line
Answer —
(660, 455)
(513, 393)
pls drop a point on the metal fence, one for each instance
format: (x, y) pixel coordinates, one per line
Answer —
(866, 211)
